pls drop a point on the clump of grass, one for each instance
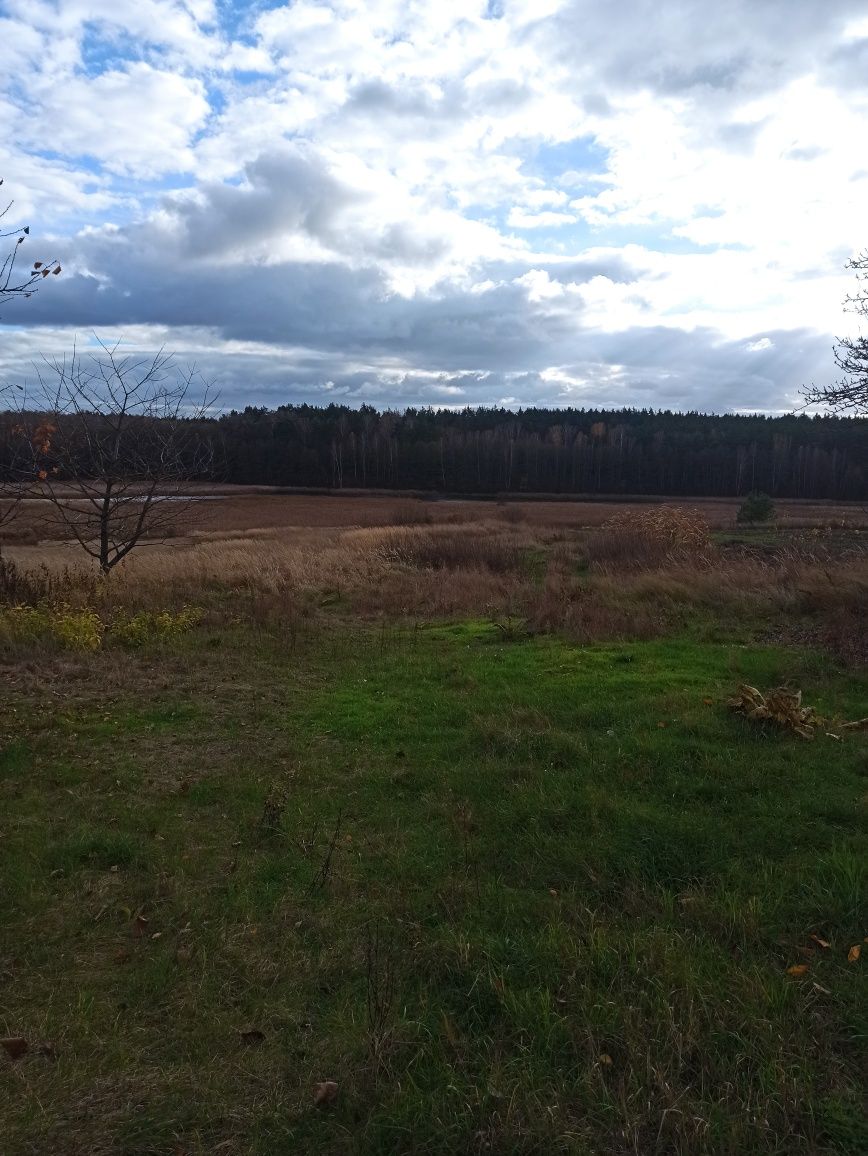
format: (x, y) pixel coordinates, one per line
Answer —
(469, 547)
(596, 613)
(147, 627)
(651, 537)
(411, 513)
(33, 585)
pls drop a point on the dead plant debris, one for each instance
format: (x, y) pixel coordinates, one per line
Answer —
(784, 707)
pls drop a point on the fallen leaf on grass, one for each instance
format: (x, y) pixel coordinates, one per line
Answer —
(140, 925)
(325, 1093)
(606, 1060)
(822, 942)
(14, 1046)
(854, 953)
(797, 969)
(819, 987)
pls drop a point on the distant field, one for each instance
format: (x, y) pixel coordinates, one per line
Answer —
(232, 509)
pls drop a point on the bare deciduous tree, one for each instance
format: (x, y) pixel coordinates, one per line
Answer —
(116, 440)
(851, 355)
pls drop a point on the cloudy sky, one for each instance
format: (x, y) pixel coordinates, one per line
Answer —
(560, 202)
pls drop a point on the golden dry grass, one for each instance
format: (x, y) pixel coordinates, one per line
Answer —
(482, 560)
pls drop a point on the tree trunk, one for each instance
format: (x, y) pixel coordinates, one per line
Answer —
(104, 526)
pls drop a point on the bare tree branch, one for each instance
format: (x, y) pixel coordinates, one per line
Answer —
(851, 355)
(16, 280)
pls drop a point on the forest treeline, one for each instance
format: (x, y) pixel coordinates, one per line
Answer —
(493, 451)
(489, 451)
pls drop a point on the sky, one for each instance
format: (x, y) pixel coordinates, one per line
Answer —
(484, 202)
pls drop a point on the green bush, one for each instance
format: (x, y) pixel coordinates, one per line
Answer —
(756, 507)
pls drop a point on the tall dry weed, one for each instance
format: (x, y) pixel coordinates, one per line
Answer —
(652, 537)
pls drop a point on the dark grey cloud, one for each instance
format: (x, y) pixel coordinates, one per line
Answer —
(326, 330)
(153, 274)
(289, 190)
(663, 368)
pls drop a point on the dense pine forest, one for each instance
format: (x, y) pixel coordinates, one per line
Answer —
(493, 451)
(489, 451)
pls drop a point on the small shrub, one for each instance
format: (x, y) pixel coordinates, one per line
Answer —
(149, 626)
(756, 507)
(77, 628)
(74, 628)
(82, 628)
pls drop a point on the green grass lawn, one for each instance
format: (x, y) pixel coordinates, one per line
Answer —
(511, 896)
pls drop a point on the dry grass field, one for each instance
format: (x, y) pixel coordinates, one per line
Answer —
(559, 565)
